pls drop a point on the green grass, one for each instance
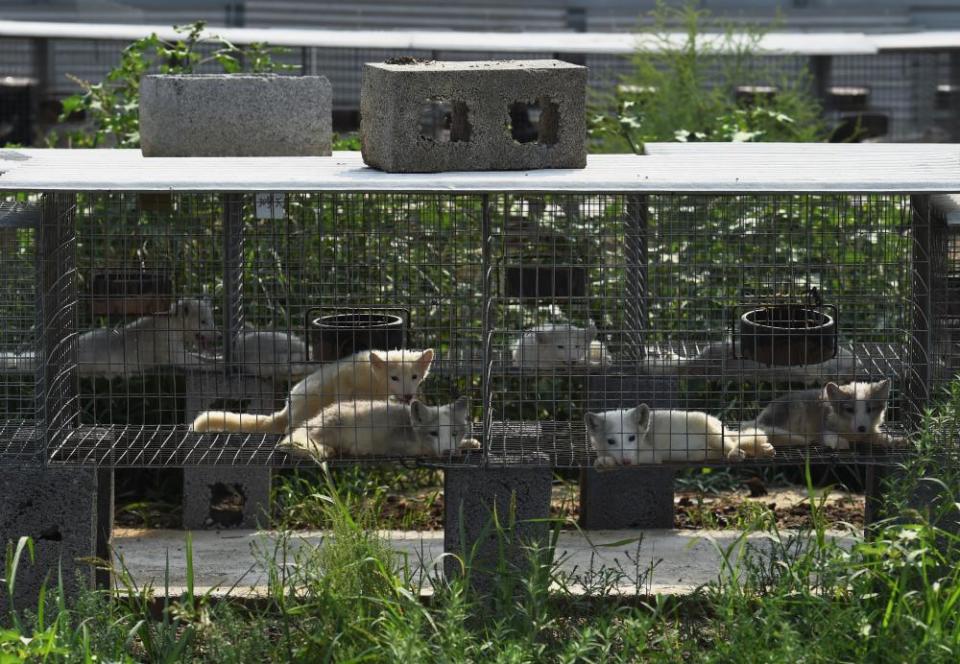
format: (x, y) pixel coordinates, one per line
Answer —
(799, 597)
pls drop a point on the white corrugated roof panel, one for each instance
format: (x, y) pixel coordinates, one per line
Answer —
(669, 167)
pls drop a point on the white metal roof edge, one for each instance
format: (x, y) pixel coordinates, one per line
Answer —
(803, 43)
(668, 168)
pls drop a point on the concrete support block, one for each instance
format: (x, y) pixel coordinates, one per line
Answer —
(235, 115)
(628, 497)
(931, 492)
(57, 508)
(472, 496)
(463, 116)
(227, 496)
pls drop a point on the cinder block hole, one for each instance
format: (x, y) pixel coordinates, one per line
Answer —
(445, 121)
(226, 504)
(535, 122)
(51, 534)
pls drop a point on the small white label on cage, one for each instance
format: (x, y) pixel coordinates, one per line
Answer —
(271, 206)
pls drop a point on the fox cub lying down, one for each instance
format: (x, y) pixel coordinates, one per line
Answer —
(641, 435)
(835, 416)
(372, 375)
(387, 428)
(559, 345)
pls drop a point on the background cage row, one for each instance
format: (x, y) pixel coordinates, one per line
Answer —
(900, 95)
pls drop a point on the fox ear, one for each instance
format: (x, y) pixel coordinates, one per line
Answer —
(418, 411)
(426, 357)
(181, 308)
(882, 389)
(376, 361)
(834, 393)
(461, 407)
(593, 421)
(641, 415)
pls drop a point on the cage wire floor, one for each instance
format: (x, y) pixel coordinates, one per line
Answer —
(515, 444)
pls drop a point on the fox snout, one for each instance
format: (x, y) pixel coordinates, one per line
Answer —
(407, 398)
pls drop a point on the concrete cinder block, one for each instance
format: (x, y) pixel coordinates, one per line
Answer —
(628, 497)
(235, 115)
(242, 492)
(226, 497)
(57, 508)
(471, 498)
(462, 116)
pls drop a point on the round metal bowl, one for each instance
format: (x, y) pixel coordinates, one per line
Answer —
(340, 335)
(788, 335)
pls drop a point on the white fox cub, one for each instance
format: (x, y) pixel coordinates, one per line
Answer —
(558, 345)
(167, 339)
(150, 341)
(640, 435)
(383, 428)
(835, 416)
(272, 354)
(374, 375)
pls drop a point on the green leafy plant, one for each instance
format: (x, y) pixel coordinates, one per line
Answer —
(112, 105)
(687, 90)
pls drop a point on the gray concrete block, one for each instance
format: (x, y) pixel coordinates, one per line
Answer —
(242, 492)
(471, 498)
(628, 497)
(226, 497)
(57, 508)
(463, 116)
(235, 115)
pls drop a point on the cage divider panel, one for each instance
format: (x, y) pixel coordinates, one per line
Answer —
(921, 338)
(486, 331)
(58, 396)
(233, 273)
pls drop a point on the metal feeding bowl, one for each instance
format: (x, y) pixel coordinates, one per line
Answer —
(788, 335)
(336, 336)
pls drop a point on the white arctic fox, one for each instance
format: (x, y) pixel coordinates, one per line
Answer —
(640, 435)
(374, 375)
(272, 354)
(558, 345)
(835, 416)
(167, 339)
(382, 428)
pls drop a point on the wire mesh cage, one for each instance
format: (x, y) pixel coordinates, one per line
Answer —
(276, 328)
(20, 433)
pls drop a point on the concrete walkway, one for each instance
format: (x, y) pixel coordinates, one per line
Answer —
(662, 562)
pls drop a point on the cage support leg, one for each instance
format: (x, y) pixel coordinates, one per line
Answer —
(57, 509)
(105, 498)
(493, 519)
(225, 495)
(628, 497)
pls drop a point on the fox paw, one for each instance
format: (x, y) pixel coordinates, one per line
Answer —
(605, 463)
(470, 444)
(736, 454)
(765, 450)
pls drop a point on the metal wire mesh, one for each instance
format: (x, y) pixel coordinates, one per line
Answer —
(539, 309)
(20, 434)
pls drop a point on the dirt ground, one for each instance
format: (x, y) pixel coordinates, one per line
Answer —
(732, 509)
(422, 509)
